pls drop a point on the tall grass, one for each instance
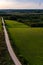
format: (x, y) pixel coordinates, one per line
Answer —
(28, 40)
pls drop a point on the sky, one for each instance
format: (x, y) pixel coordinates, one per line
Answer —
(21, 4)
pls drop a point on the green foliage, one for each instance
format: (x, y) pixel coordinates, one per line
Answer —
(27, 18)
(15, 24)
(28, 40)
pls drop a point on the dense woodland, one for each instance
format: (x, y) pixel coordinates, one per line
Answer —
(33, 18)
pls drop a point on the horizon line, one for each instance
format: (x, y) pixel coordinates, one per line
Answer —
(20, 9)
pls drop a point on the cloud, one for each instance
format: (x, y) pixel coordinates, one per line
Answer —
(17, 4)
(7, 4)
(30, 5)
(36, 1)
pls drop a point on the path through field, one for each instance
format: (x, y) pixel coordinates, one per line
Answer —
(11, 52)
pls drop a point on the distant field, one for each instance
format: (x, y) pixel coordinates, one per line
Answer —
(15, 24)
(28, 40)
(4, 55)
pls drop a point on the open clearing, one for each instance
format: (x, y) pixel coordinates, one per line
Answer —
(4, 55)
(28, 40)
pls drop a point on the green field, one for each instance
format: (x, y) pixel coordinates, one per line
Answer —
(4, 55)
(28, 40)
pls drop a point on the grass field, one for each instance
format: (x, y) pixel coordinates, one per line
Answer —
(28, 40)
(4, 55)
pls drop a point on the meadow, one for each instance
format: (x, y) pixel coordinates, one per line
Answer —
(4, 55)
(28, 40)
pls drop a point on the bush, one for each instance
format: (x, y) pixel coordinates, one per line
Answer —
(36, 25)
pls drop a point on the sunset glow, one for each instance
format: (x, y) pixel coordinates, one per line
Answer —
(21, 4)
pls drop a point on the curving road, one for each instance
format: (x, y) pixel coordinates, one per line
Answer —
(9, 47)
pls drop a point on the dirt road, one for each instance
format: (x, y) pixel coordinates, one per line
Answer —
(9, 47)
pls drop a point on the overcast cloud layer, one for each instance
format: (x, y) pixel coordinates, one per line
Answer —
(21, 4)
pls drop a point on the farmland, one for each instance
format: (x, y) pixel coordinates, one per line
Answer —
(28, 40)
(4, 55)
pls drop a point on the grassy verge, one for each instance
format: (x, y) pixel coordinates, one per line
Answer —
(4, 55)
(29, 42)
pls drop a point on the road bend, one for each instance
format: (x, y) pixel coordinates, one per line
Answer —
(9, 47)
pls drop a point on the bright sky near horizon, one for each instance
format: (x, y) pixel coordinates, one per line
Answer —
(21, 4)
